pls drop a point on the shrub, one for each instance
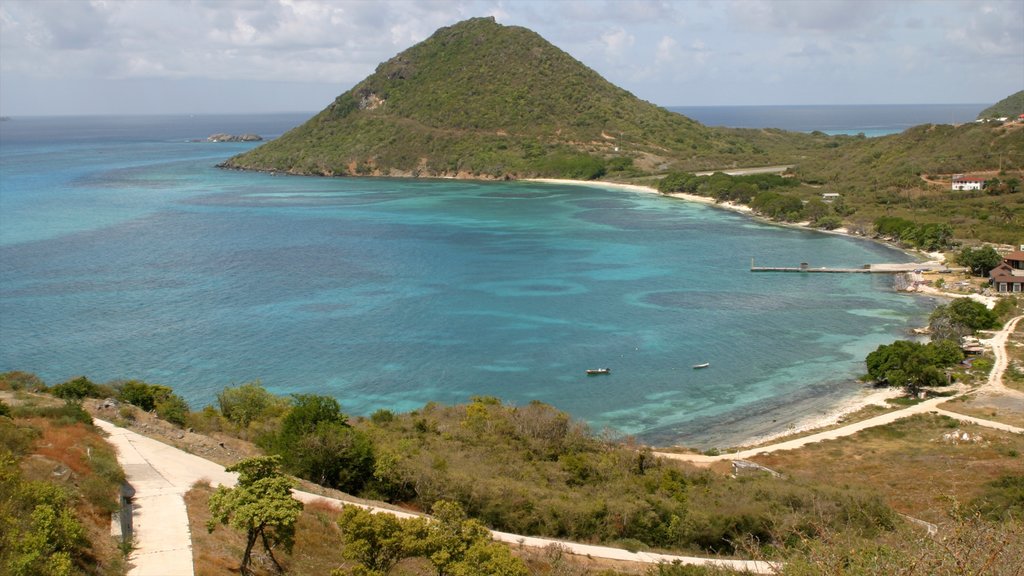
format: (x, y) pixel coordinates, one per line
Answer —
(17, 380)
(145, 396)
(173, 409)
(382, 416)
(76, 389)
(249, 402)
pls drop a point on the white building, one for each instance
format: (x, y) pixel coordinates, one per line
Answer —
(961, 182)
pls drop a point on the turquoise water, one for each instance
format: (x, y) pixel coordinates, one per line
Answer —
(129, 255)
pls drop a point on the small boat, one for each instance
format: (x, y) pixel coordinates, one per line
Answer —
(704, 365)
(598, 371)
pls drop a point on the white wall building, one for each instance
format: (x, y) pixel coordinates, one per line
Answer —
(961, 182)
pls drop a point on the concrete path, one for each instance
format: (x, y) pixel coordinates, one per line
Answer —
(162, 474)
(994, 382)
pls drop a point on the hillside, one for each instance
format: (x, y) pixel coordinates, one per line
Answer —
(1011, 107)
(479, 99)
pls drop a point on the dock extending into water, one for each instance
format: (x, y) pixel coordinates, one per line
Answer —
(903, 268)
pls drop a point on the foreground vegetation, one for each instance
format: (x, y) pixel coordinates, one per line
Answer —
(59, 484)
(836, 508)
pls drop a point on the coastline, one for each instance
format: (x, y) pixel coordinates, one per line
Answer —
(806, 422)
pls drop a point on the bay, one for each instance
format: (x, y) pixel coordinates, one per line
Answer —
(125, 253)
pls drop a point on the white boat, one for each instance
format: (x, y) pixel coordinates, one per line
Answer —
(704, 365)
(597, 371)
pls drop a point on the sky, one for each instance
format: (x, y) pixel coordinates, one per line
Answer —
(76, 57)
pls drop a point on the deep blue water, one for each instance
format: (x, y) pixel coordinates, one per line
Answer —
(869, 119)
(125, 253)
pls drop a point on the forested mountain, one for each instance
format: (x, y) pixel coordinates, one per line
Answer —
(1011, 107)
(478, 99)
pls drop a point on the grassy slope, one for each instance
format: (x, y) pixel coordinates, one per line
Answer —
(1011, 106)
(884, 176)
(53, 447)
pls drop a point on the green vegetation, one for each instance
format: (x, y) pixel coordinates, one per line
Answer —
(889, 177)
(533, 470)
(911, 365)
(484, 100)
(960, 318)
(453, 543)
(979, 260)
(1003, 498)
(315, 442)
(59, 483)
(1009, 107)
(261, 505)
(154, 397)
(928, 237)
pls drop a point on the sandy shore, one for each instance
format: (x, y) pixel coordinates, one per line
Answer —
(805, 423)
(834, 415)
(646, 190)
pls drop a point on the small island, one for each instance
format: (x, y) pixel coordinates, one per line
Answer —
(221, 137)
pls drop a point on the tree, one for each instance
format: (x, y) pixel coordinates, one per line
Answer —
(316, 442)
(376, 541)
(459, 546)
(973, 314)
(261, 505)
(334, 455)
(911, 365)
(960, 318)
(143, 395)
(979, 260)
(249, 402)
(76, 389)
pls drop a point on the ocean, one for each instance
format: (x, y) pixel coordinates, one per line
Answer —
(125, 253)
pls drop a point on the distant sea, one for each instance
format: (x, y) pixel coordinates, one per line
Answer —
(870, 120)
(125, 253)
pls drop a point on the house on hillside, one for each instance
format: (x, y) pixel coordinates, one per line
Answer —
(961, 182)
(829, 197)
(1009, 275)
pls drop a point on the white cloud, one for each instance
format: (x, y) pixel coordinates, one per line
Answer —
(718, 51)
(666, 50)
(616, 42)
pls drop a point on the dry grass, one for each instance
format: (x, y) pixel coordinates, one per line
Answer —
(73, 456)
(1014, 376)
(997, 407)
(317, 543)
(908, 463)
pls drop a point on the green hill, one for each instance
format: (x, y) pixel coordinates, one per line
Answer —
(479, 99)
(1010, 107)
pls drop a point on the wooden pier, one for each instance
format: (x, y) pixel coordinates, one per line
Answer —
(866, 269)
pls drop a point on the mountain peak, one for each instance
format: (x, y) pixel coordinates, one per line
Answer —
(481, 99)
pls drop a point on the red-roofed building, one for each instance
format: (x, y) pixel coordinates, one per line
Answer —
(1009, 275)
(961, 182)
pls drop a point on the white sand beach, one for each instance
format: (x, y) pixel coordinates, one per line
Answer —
(645, 190)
